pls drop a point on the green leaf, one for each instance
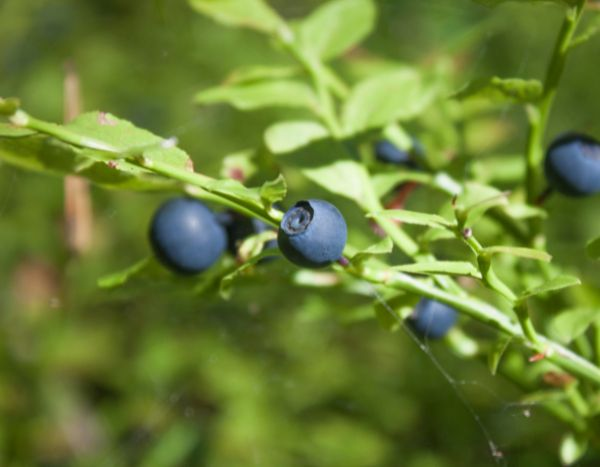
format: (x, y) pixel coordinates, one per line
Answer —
(126, 138)
(593, 248)
(382, 99)
(256, 95)
(452, 268)
(11, 131)
(335, 27)
(345, 178)
(413, 217)
(96, 129)
(383, 247)
(253, 14)
(254, 245)
(254, 73)
(553, 285)
(572, 448)
(591, 29)
(497, 89)
(475, 211)
(524, 211)
(226, 282)
(572, 323)
(497, 352)
(521, 252)
(119, 278)
(285, 137)
(273, 191)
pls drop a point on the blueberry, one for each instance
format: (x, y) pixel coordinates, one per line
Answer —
(388, 153)
(312, 234)
(186, 236)
(572, 165)
(432, 319)
(240, 227)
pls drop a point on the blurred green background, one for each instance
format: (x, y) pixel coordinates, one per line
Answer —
(280, 375)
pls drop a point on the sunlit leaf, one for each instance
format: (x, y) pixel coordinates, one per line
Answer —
(384, 98)
(254, 14)
(345, 178)
(335, 27)
(256, 95)
(572, 448)
(285, 137)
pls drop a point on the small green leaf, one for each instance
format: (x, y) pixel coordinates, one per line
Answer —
(253, 14)
(11, 131)
(107, 167)
(475, 211)
(345, 178)
(335, 27)
(570, 324)
(226, 282)
(529, 253)
(255, 73)
(285, 137)
(256, 95)
(553, 285)
(452, 268)
(524, 211)
(387, 97)
(383, 247)
(9, 105)
(591, 29)
(593, 248)
(415, 218)
(497, 352)
(119, 278)
(572, 448)
(497, 89)
(254, 245)
(273, 191)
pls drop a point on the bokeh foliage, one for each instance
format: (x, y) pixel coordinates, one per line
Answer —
(279, 375)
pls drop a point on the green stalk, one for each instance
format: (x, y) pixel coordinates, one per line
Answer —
(539, 113)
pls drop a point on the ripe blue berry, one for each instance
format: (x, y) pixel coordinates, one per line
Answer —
(186, 236)
(312, 234)
(388, 153)
(432, 319)
(572, 165)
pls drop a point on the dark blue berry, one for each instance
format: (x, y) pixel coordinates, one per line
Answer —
(432, 319)
(572, 165)
(186, 236)
(388, 153)
(312, 234)
(240, 227)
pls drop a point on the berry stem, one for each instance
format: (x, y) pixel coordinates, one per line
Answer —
(538, 114)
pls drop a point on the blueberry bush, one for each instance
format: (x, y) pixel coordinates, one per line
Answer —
(401, 189)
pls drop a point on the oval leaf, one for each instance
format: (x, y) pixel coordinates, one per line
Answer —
(288, 136)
